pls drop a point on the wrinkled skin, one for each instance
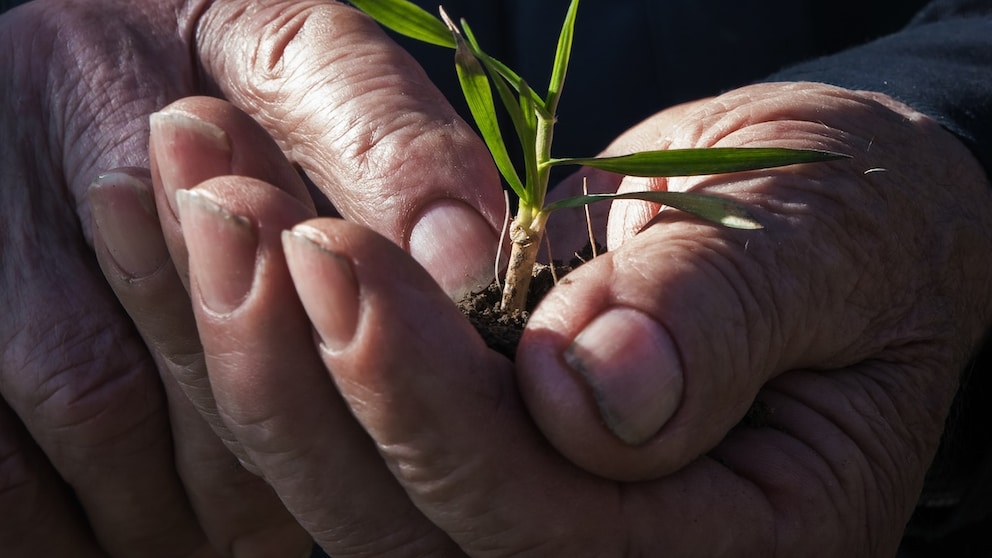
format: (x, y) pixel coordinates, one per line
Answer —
(849, 317)
(105, 450)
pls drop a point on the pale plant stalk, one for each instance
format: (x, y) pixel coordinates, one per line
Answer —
(527, 228)
(525, 239)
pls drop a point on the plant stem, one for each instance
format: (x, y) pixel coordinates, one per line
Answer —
(526, 233)
(542, 147)
(527, 229)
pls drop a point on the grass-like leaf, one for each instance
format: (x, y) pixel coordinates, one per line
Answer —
(409, 19)
(499, 70)
(562, 56)
(479, 96)
(528, 138)
(694, 162)
(711, 208)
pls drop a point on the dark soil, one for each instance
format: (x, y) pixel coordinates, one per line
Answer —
(502, 331)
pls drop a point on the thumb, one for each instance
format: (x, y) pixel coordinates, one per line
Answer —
(648, 356)
(367, 125)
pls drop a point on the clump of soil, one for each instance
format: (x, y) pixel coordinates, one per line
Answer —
(502, 331)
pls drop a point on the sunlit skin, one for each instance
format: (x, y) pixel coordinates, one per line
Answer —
(261, 387)
(85, 399)
(620, 433)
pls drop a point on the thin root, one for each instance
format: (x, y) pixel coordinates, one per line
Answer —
(502, 235)
(592, 236)
(551, 260)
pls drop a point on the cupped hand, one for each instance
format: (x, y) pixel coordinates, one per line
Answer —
(622, 429)
(91, 433)
(814, 360)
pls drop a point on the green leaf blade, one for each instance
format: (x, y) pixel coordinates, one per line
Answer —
(498, 70)
(696, 162)
(527, 133)
(495, 67)
(479, 96)
(711, 208)
(408, 19)
(563, 55)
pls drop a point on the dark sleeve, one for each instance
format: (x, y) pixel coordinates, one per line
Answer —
(7, 4)
(941, 65)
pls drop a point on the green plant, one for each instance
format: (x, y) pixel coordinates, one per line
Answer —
(533, 119)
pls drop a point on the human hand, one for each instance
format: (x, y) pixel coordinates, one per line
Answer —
(93, 433)
(859, 304)
(100, 456)
(848, 318)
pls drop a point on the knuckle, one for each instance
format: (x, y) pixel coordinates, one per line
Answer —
(82, 388)
(251, 51)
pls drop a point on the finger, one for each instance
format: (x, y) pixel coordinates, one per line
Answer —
(40, 514)
(446, 415)
(72, 367)
(135, 259)
(645, 358)
(272, 388)
(83, 383)
(366, 123)
(193, 140)
(197, 138)
(237, 510)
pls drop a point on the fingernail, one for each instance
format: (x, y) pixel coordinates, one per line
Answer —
(222, 250)
(326, 284)
(632, 367)
(124, 214)
(187, 151)
(456, 246)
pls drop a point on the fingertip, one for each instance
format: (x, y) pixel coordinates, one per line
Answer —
(591, 411)
(197, 138)
(605, 379)
(126, 223)
(326, 283)
(630, 365)
(456, 245)
(186, 150)
(223, 249)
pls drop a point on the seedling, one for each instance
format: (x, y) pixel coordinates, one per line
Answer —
(533, 119)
